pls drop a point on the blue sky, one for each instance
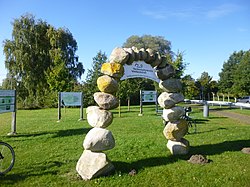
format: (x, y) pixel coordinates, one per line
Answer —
(208, 32)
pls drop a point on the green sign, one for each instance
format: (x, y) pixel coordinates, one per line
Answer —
(71, 98)
(7, 101)
(148, 96)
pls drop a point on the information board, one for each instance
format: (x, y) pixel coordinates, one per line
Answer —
(7, 101)
(71, 98)
(148, 96)
(8, 104)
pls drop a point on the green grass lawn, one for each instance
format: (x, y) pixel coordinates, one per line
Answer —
(47, 151)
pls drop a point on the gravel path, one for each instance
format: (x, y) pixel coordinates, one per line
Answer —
(235, 116)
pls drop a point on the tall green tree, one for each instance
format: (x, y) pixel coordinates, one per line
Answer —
(90, 85)
(179, 64)
(41, 60)
(235, 77)
(190, 91)
(228, 71)
(241, 86)
(206, 86)
(157, 43)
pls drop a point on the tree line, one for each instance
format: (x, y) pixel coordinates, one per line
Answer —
(41, 61)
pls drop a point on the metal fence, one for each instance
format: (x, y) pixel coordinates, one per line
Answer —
(222, 103)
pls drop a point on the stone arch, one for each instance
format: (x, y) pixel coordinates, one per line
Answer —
(93, 162)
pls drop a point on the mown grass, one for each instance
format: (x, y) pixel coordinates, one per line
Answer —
(47, 151)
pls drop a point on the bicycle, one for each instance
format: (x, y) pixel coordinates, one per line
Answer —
(189, 120)
(186, 117)
(7, 158)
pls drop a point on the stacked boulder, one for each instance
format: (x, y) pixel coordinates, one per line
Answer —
(175, 126)
(93, 161)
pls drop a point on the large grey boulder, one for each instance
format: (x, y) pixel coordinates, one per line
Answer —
(93, 164)
(89, 108)
(178, 147)
(106, 101)
(171, 85)
(151, 56)
(173, 114)
(176, 130)
(131, 53)
(119, 55)
(165, 73)
(136, 53)
(98, 139)
(157, 60)
(143, 55)
(168, 100)
(164, 62)
(98, 117)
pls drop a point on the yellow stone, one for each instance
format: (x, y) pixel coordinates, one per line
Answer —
(107, 84)
(176, 130)
(113, 69)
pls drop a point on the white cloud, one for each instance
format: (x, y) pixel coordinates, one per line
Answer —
(155, 14)
(222, 10)
(241, 29)
(166, 14)
(192, 12)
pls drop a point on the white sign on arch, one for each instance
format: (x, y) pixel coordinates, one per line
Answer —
(139, 69)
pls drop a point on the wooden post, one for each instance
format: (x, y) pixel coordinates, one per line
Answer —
(81, 108)
(156, 103)
(59, 107)
(141, 111)
(13, 122)
(128, 104)
(119, 108)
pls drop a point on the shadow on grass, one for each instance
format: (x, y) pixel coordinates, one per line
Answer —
(35, 170)
(71, 132)
(124, 167)
(199, 121)
(211, 149)
(55, 134)
(201, 132)
(214, 149)
(218, 117)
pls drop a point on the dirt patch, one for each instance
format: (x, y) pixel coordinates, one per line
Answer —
(246, 150)
(198, 159)
(132, 172)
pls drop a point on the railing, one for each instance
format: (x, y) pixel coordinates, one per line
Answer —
(221, 103)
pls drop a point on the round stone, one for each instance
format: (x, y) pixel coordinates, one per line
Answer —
(107, 84)
(171, 85)
(176, 130)
(112, 69)
(119, 55)
(106, 101)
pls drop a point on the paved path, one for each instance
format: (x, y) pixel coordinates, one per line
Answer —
(236, 116)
